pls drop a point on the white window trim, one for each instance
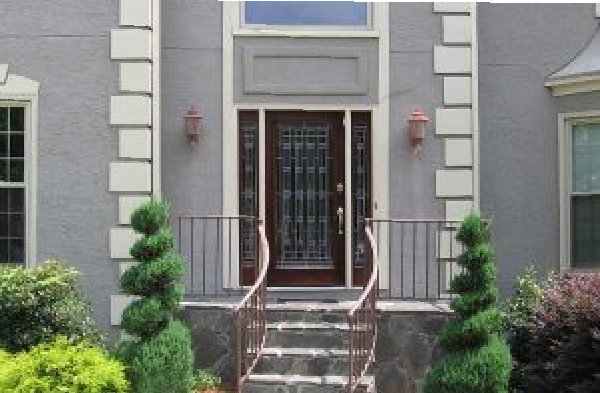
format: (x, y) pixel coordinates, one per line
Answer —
(565, 137)
(25, 91)
(380, 122)
(240, 28)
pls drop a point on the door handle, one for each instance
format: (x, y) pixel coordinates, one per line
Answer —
(340, 216)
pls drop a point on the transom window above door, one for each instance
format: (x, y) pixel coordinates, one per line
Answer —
(308, 14)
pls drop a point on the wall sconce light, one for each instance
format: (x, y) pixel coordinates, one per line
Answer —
(192, 124)
(416, 130)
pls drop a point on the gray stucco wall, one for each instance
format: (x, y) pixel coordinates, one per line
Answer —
(519, 46)
(414, 30)
(64, 44)
(192, 74)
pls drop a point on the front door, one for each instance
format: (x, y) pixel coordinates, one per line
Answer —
(305, 194)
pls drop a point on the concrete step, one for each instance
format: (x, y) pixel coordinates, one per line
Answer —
(308, 335)
(275, 383)
(308, 312)
(303, 361)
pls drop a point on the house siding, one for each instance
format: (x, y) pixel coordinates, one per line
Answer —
(519, 46)
(64, 44)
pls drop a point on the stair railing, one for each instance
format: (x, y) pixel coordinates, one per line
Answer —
(362, 320)
(250, 315)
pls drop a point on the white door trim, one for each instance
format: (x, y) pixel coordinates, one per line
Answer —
(379, 142)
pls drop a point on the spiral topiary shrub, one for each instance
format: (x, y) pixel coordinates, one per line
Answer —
(159, 359)
(477, 358)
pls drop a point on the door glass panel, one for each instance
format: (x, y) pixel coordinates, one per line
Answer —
(360, 187)
(305, 167)
(248, 128)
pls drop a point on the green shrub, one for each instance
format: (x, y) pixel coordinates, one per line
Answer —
(160, 358)
(62, 367)
(206, 379)
(160, 363)
(554, 334)
(477, 359)
(38, 304)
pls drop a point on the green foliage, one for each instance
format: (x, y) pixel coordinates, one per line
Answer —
(477, 360)
(486, 369)
(62, 367)
(206, 379)
(153, 246)
(38, 304)
(148, 278)
(145, 317)
(151, 218)
(162, 363)
(553, 329)
(160, 359)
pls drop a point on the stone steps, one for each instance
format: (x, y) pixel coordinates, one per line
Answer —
(275, 383)
(307, 351)
(303, 361)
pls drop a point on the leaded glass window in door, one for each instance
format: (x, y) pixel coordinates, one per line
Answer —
(305, 168)
(248, 199)
(361, 179)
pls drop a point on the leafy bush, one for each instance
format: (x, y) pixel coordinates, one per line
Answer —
(161, 363)
(206, 380)
(554, 333)
(477, 359)
(62, 367)
(160, 358)
(38, 304)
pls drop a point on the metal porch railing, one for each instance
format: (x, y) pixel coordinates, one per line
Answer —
(250, 317)
(362, 320)
(421, 257)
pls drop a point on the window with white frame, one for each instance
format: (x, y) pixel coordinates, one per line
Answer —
(13, 188)
(584, 194)
(306, 14)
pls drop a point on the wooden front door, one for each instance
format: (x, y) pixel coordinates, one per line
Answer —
(305, 194)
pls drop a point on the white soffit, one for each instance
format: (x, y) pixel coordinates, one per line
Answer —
(582, 74)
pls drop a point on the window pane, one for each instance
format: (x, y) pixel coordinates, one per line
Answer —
(17, 251)
(3, 145)
(17, 145)
(342, 13)
(586, 231)
(3, 170)
(4, 225)
(586, 157)
(17, 119)
(3, 119)
(4, 253)
(17, 171)
(17, 200)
